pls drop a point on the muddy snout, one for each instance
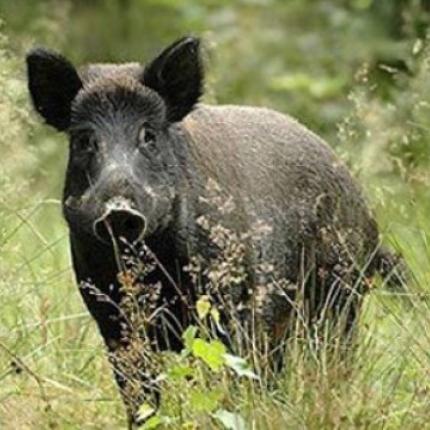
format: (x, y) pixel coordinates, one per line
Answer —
(120, 221)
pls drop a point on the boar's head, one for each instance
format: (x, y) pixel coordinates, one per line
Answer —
(124, 161)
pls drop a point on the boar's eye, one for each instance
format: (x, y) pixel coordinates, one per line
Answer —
(147, 140)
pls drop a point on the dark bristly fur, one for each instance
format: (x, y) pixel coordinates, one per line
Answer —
(138, 133)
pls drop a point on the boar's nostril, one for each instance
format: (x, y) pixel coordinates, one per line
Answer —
(125, 224)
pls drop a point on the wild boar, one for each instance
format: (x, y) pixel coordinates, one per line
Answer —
(142, 153)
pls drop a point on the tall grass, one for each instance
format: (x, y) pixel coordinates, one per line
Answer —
(53, 370)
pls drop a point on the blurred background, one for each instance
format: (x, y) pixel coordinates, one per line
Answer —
(335, 65)
(354, 71)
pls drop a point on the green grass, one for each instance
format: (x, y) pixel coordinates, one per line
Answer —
(54, 372)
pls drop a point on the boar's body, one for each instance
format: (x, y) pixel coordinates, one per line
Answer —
(278, 174)
(282, 175)
(142, 155)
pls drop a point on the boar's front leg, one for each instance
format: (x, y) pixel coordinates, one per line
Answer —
(130, 350)
(135, 369)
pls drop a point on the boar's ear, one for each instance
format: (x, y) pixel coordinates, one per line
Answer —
(53, 83)
(177, 76)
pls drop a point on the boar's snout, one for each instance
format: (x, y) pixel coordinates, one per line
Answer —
(120, 221)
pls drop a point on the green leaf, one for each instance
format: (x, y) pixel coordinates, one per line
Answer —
(179, 372)
(205, 401)
(240, 366)
(155, 421)
(212, 353)
(203, 306)
(145, 411)
(189, 336)
(230, 420)
(152, 423)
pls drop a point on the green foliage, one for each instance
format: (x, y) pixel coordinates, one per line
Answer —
(297, 56)
(200, 361)
(240, 366)
(211, 353)
(230, 421)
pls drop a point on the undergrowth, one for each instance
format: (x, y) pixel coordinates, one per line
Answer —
(53, 369)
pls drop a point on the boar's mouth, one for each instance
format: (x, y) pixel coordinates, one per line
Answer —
(120, 221)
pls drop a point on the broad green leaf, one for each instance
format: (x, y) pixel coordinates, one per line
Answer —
(152, 423)
(212, 353)
(205, 401)
(179, 372)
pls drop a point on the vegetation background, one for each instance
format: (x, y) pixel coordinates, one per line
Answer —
(355, 71)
